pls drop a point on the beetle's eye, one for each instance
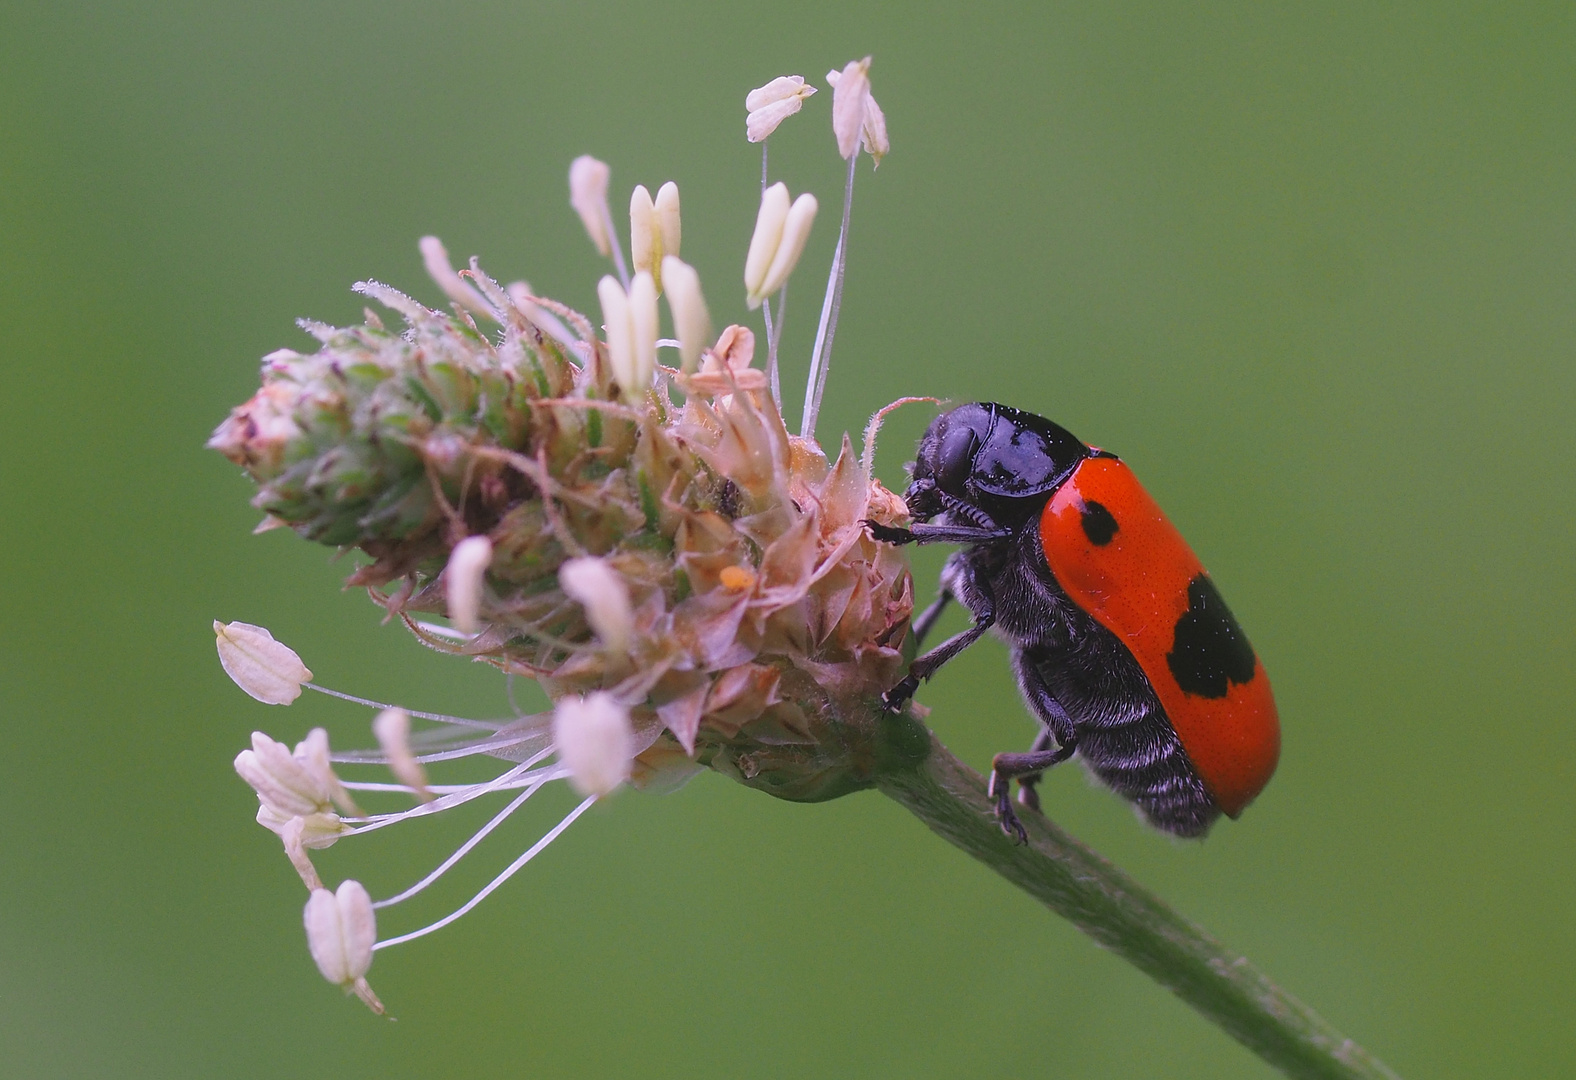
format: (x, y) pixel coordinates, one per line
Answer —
(957, 460)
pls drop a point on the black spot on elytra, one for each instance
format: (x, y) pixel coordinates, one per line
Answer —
(1210, 650)
(1098, 524)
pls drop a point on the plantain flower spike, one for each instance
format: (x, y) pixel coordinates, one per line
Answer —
(691, 320)
(691, 586)
(588, 179)
(266, 669)
(341, 930)
(769, 105)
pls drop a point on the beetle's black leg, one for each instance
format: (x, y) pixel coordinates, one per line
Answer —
(1058, 729)
(945, 594)
(924, 532)
(1027, 795)
(928, 617)
(1005, 767)
(925, 666)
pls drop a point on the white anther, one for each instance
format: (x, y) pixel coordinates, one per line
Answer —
(654, 228)
(643, 335)
(796, 231)
(341, 929)
(266, 669)
(392, 730)
(463, 579)
(768, 235)
(293, 785)
(601, 592)
(856, 118)
(588, 195)
(595, 742)
(773, 103)
(691, 320)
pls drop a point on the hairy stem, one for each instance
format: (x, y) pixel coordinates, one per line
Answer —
(1135, 924)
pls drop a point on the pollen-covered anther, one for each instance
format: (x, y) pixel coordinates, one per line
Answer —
(268, 670)
(655, 229)
(293, 785)
(773, 103)
(464, 579)
(691, 320)
(588, 179)
(781, 230)
(595, 742)
(391, 727)
(341, 929)
(856, 118)
(630, 321)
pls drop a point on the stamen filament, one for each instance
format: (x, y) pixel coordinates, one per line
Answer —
(508, 873)
(774, 340)
(771, 353)
(821, 355)
(442, 718)
(498, 819)
(523, 780)
(449, 801)
(612, 239)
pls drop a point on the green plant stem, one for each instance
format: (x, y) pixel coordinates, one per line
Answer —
(1121, 915)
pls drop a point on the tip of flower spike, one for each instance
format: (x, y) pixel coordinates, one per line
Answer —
(266, 669)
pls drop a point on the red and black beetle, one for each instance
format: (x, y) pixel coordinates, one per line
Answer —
(1120, 642)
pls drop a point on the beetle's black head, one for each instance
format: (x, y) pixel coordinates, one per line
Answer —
(998, 459)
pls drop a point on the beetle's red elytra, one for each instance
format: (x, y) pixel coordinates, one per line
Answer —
(1118, 557)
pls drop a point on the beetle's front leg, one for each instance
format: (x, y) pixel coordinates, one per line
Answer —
(923, 667)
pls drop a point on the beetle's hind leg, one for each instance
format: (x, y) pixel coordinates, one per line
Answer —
(1058, 732)
(1007, 767)
(1028, 795)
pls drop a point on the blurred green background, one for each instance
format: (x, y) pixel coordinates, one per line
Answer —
(1310, 268)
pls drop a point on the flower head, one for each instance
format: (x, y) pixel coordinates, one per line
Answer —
(692, 586)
